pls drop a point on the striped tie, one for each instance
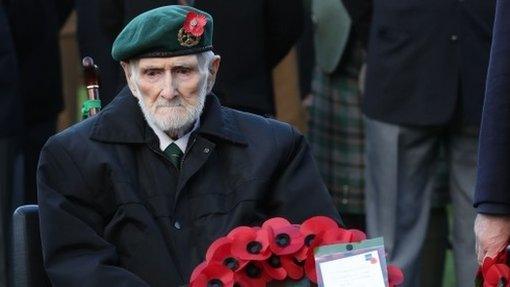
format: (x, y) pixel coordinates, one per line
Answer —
(174, 154)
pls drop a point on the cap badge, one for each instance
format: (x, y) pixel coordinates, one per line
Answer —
(192, 29)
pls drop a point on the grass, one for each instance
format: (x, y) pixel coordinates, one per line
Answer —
(449, 268)
(449, 271)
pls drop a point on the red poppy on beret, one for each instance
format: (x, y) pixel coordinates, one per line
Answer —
(395, 276)
(212, 274)
(220, 251)
(284, 237)
(250, 243)
(194, 24)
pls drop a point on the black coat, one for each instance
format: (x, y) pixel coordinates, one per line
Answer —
(35, 26)
(93, 42)
(427, 60)
(493, 184)
(115, 212)
(10, 118)
(250, 36)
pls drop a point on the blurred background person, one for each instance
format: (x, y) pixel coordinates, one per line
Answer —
(255, 34)
(425, 80)
(336, 123)
(336, 132)
(492, 197)
(93, 42)
(35, 26)
(10, 131)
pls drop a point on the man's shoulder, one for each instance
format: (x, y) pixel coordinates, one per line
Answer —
(77, 133)
(258, 127)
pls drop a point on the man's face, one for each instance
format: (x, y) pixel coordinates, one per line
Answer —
(171, 91)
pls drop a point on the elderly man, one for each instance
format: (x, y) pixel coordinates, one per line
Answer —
(134, 195)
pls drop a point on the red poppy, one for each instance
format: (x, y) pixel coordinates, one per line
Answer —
(340, 235)
(302, 254)
(488, 262)
(313, 229)
(220, 251)
(310, 271)
(293, 267)
(212, 274)
(357, 235)
(194, 24)
(285, 238)
(337, 235)
(497, 275)
(395, 276)
(252, 275)
(317, 224)
(250, 243)
(274, 268)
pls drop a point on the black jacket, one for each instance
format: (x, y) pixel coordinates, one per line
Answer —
(250, 36)
(493, 184)
(10, 118)
(115, 212)
(35, 26)
(427, 60)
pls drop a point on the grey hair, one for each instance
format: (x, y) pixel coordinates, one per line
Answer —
(133, 67)
(204, 65)
(204, 60)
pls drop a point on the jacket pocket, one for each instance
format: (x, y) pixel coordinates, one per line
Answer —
(243, 198)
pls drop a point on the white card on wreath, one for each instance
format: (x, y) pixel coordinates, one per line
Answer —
(352, 265)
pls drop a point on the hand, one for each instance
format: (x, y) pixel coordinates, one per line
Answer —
(492, 235)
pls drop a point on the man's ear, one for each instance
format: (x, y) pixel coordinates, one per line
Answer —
(129, 76)
(213, 71)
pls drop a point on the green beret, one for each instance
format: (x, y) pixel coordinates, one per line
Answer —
(165, 32)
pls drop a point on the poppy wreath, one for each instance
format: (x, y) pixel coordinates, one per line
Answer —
(494, 272)
(276, 251)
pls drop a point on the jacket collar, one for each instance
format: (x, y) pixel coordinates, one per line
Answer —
(122, 121)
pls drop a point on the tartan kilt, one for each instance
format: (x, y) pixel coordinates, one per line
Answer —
(336, 136)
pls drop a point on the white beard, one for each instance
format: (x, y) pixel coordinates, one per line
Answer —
(180, 116)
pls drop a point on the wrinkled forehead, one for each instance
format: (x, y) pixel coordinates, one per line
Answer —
(162, 62)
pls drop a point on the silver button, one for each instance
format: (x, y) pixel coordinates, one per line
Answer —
(454, 38)
(206, 150)
(177, 225)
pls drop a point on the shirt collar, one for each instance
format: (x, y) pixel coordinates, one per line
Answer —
(165, 140)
